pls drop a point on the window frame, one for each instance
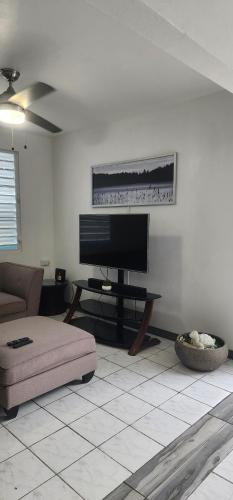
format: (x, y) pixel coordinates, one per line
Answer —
(18, 207)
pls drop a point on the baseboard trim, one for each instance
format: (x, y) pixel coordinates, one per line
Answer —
(166, 334)
(172, 336)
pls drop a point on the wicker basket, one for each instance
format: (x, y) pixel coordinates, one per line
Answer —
(204, 360)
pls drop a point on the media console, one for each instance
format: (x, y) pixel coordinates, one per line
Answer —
(118, 326)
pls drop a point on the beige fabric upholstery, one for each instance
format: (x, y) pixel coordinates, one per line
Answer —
(23, 282)
(54, 343)
(10, 304)
(10, 317)
(59, 354)
(25, 390)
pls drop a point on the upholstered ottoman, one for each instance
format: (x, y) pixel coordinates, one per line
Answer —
(59, 354)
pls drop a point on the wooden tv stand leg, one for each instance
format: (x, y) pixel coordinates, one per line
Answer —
(73, 306)
(136, 346)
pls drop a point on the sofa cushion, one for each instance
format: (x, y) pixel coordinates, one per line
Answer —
(17, 279)
(54, 343)
(10, 304)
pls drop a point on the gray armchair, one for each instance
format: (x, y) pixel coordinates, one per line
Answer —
(20, 289)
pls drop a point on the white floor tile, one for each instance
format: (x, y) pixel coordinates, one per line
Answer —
(21, 474)
(69, 451)
(122, 358)
(105, 367)
(59, 317)
(153, 393)
(171, 347)
(100, 393)
(98, 356)
(131, 448)
(105, 350)
(98, 426)
(95, 475)
(206, 393)
(51, 396)
(164, 344)
(70, 408)
(147, 368)
(213, 487)
(24, 409)
(225, 468)
(174, 379)
(221, 379)
(165, 358)
(227, 366)
(125, 379)
(34, 426)
(128, 408)
(76, 387)
(2, 417)
(160, 426)
(9, 445)
(61, 449)
(54, 489)
(185, 408)
(187, 371)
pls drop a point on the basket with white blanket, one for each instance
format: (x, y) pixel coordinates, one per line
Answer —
(201, 351)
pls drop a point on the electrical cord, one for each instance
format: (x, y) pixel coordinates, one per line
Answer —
(102, 308)
(105, 277)
(101, 303)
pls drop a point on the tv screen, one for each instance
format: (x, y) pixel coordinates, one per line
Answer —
(118, 241)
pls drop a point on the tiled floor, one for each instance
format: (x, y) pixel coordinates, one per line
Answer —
(83, 441)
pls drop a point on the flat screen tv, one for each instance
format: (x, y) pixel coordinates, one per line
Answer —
(117, 241)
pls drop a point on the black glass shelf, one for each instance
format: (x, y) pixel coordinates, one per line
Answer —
(123, 293)
(109, 334)
(114, 324)
(110, 312)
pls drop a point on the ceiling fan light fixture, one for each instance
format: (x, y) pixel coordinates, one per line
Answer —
(11, 113)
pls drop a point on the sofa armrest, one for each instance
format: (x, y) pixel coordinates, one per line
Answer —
(24, 282)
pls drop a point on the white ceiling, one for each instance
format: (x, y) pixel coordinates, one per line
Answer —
(105, 62)
(207, 22)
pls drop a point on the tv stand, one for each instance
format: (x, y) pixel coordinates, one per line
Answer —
(118, 326)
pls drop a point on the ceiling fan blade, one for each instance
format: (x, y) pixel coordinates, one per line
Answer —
(27, 96)
(41, 122)
(5, 96)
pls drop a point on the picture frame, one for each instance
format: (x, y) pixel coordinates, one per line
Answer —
(140, 182)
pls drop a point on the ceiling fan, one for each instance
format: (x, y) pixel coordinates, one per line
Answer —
(14, 105)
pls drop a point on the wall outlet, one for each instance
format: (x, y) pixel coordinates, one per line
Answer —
(44, 262)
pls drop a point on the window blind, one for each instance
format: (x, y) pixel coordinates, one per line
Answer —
(9, 201)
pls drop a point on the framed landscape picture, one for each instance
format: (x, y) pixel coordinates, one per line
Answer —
(149, 181)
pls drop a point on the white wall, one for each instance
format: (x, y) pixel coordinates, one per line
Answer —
(191, 243)
(36, 194)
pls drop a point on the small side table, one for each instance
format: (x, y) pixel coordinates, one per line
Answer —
(52, 300)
